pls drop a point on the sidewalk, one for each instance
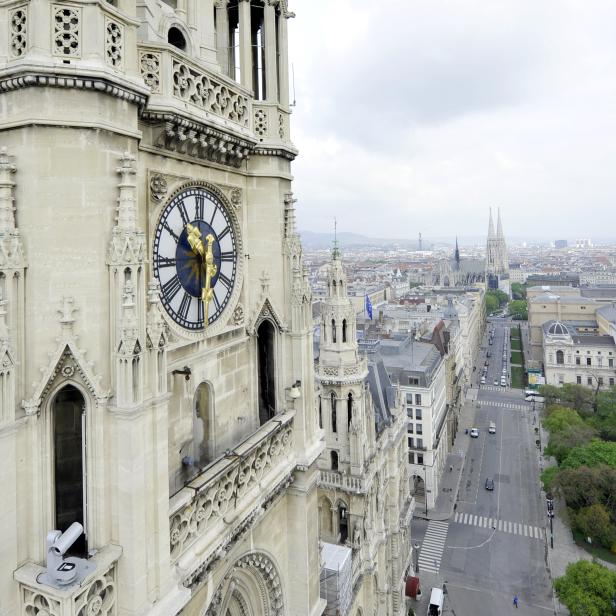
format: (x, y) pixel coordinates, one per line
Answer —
(450, 480)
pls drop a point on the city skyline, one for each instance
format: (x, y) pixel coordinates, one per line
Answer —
(496, 107)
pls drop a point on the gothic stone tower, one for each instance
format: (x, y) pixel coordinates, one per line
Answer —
(497, 259)
(156, 377)
(364, 496)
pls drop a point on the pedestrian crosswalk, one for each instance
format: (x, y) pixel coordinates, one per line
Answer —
(515, 528)
(508, 405)
(496, 388)
(433, 545)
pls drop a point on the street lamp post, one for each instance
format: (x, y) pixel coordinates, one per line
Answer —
(416, 556)
(426, 489)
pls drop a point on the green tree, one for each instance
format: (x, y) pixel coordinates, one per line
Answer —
(518, 308)
(587, 589)
(580, 487)
(518, 290)
(551, 393)
(605, 417)
(595, 522)
(593, 454)
(561, 417)
(563, 441)
(581, 398)
(495, 299)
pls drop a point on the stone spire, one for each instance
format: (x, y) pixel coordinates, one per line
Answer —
(456, 255)
(499, 227)
(490, 227)
(338, 323)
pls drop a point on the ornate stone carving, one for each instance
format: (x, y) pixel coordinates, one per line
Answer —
(158, 187)
(114, 43)
(127, 245)
(99, 599)
(18, 31)
(261, 565)
(11, 248)
(196, 87)
(281, 130)
(199, 141)
(236, 196)
(238, 315)
(260, 123)
(149, 67)
(155, 327)
(219, 497)
(66, 30)
(37, 604)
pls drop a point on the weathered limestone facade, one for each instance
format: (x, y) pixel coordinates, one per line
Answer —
(364, 492)
(173, 440)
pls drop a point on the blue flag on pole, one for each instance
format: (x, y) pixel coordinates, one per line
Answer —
(368, 307)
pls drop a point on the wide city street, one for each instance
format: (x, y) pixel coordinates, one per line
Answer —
(494, 544)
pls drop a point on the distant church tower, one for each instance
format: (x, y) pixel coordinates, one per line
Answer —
(497, 260)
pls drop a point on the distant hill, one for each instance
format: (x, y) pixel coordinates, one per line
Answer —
(313, 240)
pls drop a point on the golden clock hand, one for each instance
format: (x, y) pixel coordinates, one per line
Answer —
(194, 239)
(210, 271)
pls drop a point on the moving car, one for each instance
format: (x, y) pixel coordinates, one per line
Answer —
(495, 381)
(474, 433)
(489, 484)
(492, 428)
(483, 380)
(503, 381)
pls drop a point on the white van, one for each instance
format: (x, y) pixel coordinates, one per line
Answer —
(492, 428)
(503, 381)
(436, 602)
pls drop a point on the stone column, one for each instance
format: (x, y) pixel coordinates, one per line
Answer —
(222, 36)
(245, 44)
(283, 61)
(182, 9)
(271, 61)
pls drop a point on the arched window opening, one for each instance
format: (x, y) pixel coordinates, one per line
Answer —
(203, 428)
(257, 41)
(334, 289)
(267, 367)
(68, 420)
(320, 413)
(560, 357)
(176, 38)
(333, 330)
(136, 379)
(349, 409)
(233, 20)
(334, 422)
(334, 457)
(343, 523)
(344, 330)
(325, 516)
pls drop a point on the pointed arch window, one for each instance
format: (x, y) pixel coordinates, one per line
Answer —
(344, 330)
(349, 409)
(334, 422)
(333, 330)
(69, 420)
(267, 371)
(334, 458)
(320, 413)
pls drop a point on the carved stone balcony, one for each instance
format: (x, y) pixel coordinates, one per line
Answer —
(212, 510)
(344, 374)
(96, 594)
(342, 481)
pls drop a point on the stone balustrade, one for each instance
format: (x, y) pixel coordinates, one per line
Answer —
(97, 594)
(342, 481)
(346, 374)
(232, 487)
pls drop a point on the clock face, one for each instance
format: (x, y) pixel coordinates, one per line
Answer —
(195, 257)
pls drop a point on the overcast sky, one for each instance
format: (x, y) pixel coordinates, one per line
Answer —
(418, 115)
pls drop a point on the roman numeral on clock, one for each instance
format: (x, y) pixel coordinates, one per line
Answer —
(225, 281)
(199, 207)
(227, 255)
(183, 213)
(223, 233)
(170, 231)
(200, 315)
(171, 287)
(185, 306)
(165, 261)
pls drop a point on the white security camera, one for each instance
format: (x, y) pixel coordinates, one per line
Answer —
(63, 572)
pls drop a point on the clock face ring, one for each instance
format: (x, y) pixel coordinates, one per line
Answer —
(195, 257)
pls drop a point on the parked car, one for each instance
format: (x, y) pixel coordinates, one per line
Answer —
(474, 433)
(483, 380)
(492, 428)
(489, 484)
(495, 381)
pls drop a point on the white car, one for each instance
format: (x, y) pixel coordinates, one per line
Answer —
(483, 380)
(474, 433)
